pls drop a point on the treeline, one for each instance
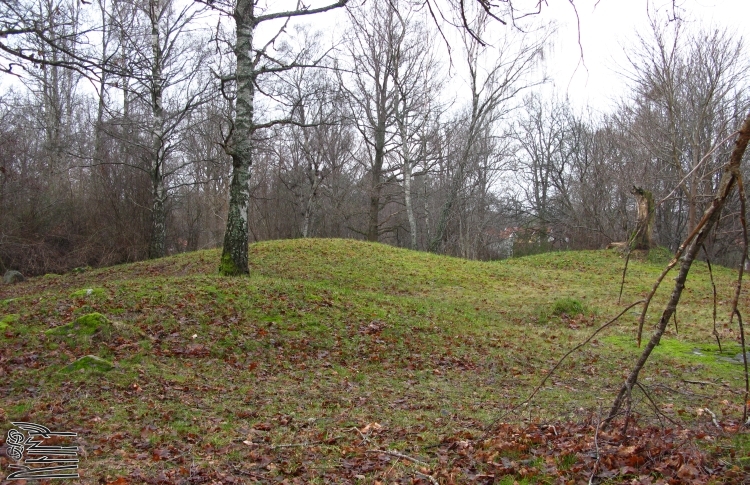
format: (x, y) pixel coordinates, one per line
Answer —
(114, 140)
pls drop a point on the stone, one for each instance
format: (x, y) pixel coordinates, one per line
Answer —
(88, 324)
(89, 292)
(12, 276)
(88, 363)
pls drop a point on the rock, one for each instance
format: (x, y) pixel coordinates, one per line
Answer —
(89, 292)
(88, 324)
(12, 276)
(89, 363)
(739, 358)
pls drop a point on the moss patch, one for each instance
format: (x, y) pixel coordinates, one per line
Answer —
(568, 306)
(691, 357)
(8, 320)
(89, 363)
(88, 324)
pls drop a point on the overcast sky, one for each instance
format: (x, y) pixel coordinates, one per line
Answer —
(607, 27)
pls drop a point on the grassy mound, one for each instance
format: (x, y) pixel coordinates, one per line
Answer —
(334, 347)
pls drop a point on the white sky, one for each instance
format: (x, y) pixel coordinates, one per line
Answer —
(609, 27)
(606, 28)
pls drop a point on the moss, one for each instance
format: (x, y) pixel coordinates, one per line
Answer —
(568, 306)
(659, 255)
(88, 324)
(90, 363)
(227, 266)
(678, 353)
(7, 320)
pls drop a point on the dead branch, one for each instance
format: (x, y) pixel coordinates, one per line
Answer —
(399, 455)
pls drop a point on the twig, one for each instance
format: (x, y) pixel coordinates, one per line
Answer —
(713, 284)
(705, 157)
(713, 418)
(365, 439)
(596, 445)
(559, 362)
(624, 271)
(305, 443)
(399, 455)
(744, 360)
(428, 477)
(659, 414)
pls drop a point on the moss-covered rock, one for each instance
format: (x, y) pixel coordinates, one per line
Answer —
(89, 363)
(8, 320)
(85, 325)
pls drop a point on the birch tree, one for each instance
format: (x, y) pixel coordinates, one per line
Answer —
(252, 62)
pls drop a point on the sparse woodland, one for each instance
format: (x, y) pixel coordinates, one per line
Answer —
(125, 123)
(134, 130)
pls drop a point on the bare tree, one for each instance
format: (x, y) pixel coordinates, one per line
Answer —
(684, 88)
(491, 91)
(375, 45)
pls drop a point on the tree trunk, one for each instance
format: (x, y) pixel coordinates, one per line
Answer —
(307, 216)
(234, 257)
(373, 226)
(643, 236)
(409, 205)
(456, 183)
(157, 242)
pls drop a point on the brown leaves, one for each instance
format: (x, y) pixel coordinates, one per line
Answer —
(576, 452)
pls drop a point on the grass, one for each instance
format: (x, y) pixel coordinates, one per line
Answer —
(337, 342)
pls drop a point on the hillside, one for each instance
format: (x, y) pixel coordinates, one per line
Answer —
(333, 349)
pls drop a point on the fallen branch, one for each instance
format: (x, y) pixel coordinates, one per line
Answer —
(399, 455)
(658, 411)
(713, 418)
(698, 382)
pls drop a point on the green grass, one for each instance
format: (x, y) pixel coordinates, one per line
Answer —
(328, 337)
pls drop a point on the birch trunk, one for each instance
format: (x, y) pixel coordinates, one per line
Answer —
(157, 243)
(234, 257)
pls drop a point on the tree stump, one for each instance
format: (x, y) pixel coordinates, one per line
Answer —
(643, 236)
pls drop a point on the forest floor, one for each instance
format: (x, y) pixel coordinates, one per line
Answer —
(340, 361)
